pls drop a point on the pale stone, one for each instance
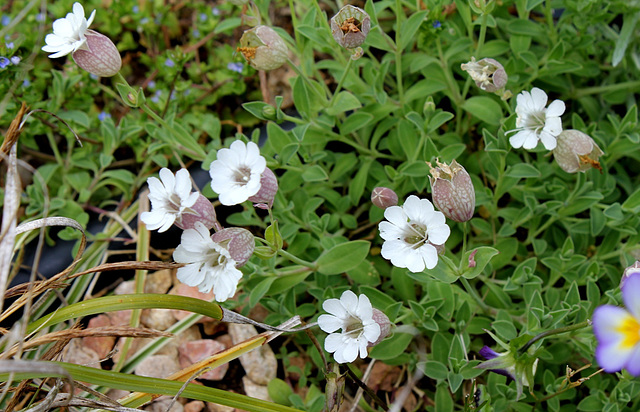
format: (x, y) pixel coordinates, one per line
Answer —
(195, 351)
(102, 345)
(162, 405)
(157, 366)
(192, 292)
(260, 364)
(159, 319)
(254, 390)
(194, 406)
(75, 352)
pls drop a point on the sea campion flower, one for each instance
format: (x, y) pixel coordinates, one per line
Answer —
(236, 174)
(350, 26)
(521, 370)
(383, 197)
(535, 122)
(453, 192)
(488, 74)
(268, 189)
(209, 265)
(173, 202)
(412, 233)
(354, 315)
(618, 330)
(577, 152)
(263, 48)
(92, 51)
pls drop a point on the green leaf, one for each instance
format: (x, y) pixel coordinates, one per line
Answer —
(484, 108)
(279, 391)
(355, 122)
(344, 102)
(343, 257)
(629, 22)
(357, 184)
(443, 400)
(301, 97)
(259, 290)
(228, 24)
(314, 173)
(257, 109)
(272, 235)
(522, 170)
(438, 120)
(410, 27)
(434, 369)
(392, 347)
(632, 204)
(483, 256)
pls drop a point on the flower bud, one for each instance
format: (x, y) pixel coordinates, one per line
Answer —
(201, 211)
(519, 367)
(488, 74)
(350, 26)
(633, 270)
(263, 48)
(385, 326)
(453, 192)
(99, 55)
(383, 197)
(239, 242)
(268, 189)
(576, 152)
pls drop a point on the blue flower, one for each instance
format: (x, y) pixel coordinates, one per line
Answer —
(40, 17)
(4, 62)
(215, 11)
(5, 20)
(135, 9)
(437, 24)
(169, 63)
(203, 17)
(235, 66)
(26, 83)
(156, 97)
(195, 33)
(9, 45)
(15, 60)
(151, 84)
(104, 115)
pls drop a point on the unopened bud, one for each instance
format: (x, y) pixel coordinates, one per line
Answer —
(268, 189)
(488, 74)
(453, 192)
(350, 26)
(263, 48)
(239, 242)
(99, 56)
(385, 326)
(633, 270)
(383, 197)
(201, 211)
(576, 152)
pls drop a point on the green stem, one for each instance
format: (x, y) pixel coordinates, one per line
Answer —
(483, 34)
(474, 294)
(296, 259)
(341, 81)
(398, 59)
(554, 332)
(630, 86)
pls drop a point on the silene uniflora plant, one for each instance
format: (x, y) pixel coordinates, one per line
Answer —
(376, 205)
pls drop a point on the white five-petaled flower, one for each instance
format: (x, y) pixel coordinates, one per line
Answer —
(411, 233)
(170, 197)
(209, 264)
(535, 122)
(68, 33)
(354, 315)
(235, 175)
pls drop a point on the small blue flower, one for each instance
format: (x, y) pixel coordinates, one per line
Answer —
(437, 24)
(186, 92)
(156, 97)
(203, 17)
(135, 9)
(40, 17)
(169, 63)
(235, 66)
(104, 115)
(5, 20)
(195, 33)
(94, 76)
(15, 60)
(26, 83)
(215, 11)
(144, 20)
(4, 62)
(151, 84)
(9, 45)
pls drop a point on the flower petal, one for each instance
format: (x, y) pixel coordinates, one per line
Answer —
(631, 294)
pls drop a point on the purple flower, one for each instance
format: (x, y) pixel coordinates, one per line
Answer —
(15, 60)
(26, 83)
(144, 20)
(203, 17)
(169, 63)
(195, 33)
(156, 97)
(135, 9)
(437, 24)
(10, 45)
(519, 367)
(235, 66)
(40, 17)
(151, 84)
(6, 20)
(4, 62)
(618, 330)
(103, 115)
(215, 11)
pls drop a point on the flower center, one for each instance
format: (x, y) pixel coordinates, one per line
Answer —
(535, 121)
(242, 175)
(174, 203)
(416, 236)
(355, 328)
(630, 330)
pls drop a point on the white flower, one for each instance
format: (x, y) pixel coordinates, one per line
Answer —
(68, 33)
(170, 197)
(535, 122)
(209, 264)
(354, 315)
(411, 233)
(235, 175)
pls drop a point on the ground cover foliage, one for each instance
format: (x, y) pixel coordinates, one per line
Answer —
(543, 249)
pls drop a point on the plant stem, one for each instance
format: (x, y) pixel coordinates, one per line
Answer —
(554, 332)
(340, 82)
(296, 259)
(482, 35)
(629, 86)
(474, 294)
(398, 59)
